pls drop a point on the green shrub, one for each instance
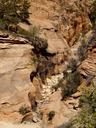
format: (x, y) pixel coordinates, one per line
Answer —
(14, 11)
(3, 24)
(24, 13)
(32, 33)
(72, 65)
(86, 119)
(71, 84)
(82, 51)
(88, 97)
(24, 109)
(93, 14)
(22, 32)
(87, 116)
(71, 80)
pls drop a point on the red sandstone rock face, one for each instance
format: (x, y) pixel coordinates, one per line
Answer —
(88, 67)
(74, 19)
(61, 22)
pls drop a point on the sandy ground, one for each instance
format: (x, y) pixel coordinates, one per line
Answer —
(9, 125)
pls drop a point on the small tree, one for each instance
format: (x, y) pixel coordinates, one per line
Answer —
(14, 11)
(24, 109)
(71, 84)
(24, 14)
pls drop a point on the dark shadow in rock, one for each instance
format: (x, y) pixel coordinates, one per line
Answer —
(32, 101)
(32, 75)
(45, 68)
(44, 64)
(51, 115)
(27, 118)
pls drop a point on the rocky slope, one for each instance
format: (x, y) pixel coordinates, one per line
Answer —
(63, 24)
(15, 69)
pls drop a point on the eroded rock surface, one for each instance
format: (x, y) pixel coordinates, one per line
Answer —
(88, 67)
(62, 23)
(15, 69)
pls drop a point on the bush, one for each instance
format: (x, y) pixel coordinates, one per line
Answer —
(71, 84)
(88, 97)
(14, 11)
(24, 14)
(71, 80)
(93, 14)
(87, 116)
(24, 109)
(72, 65)
(82, 51)
(32, 33)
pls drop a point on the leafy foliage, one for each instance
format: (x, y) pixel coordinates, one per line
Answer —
(33, 32)
(71, 84)
(13, 11)
(87, 115)
(71, 80)
(93, 13)
(82, 51)
(24, 109)
(72, 65)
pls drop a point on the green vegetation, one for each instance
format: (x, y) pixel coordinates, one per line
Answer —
(33, 32)
(82, 51)
(87, 116)
(71, 84)
(72, 65)
(24, 109)
(93, 14)
(13, 11)
(71, 80)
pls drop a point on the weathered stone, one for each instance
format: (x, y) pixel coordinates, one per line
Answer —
(15, 69)
(88, 67)
(76, 95)
(27, 118)
(74, 19)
